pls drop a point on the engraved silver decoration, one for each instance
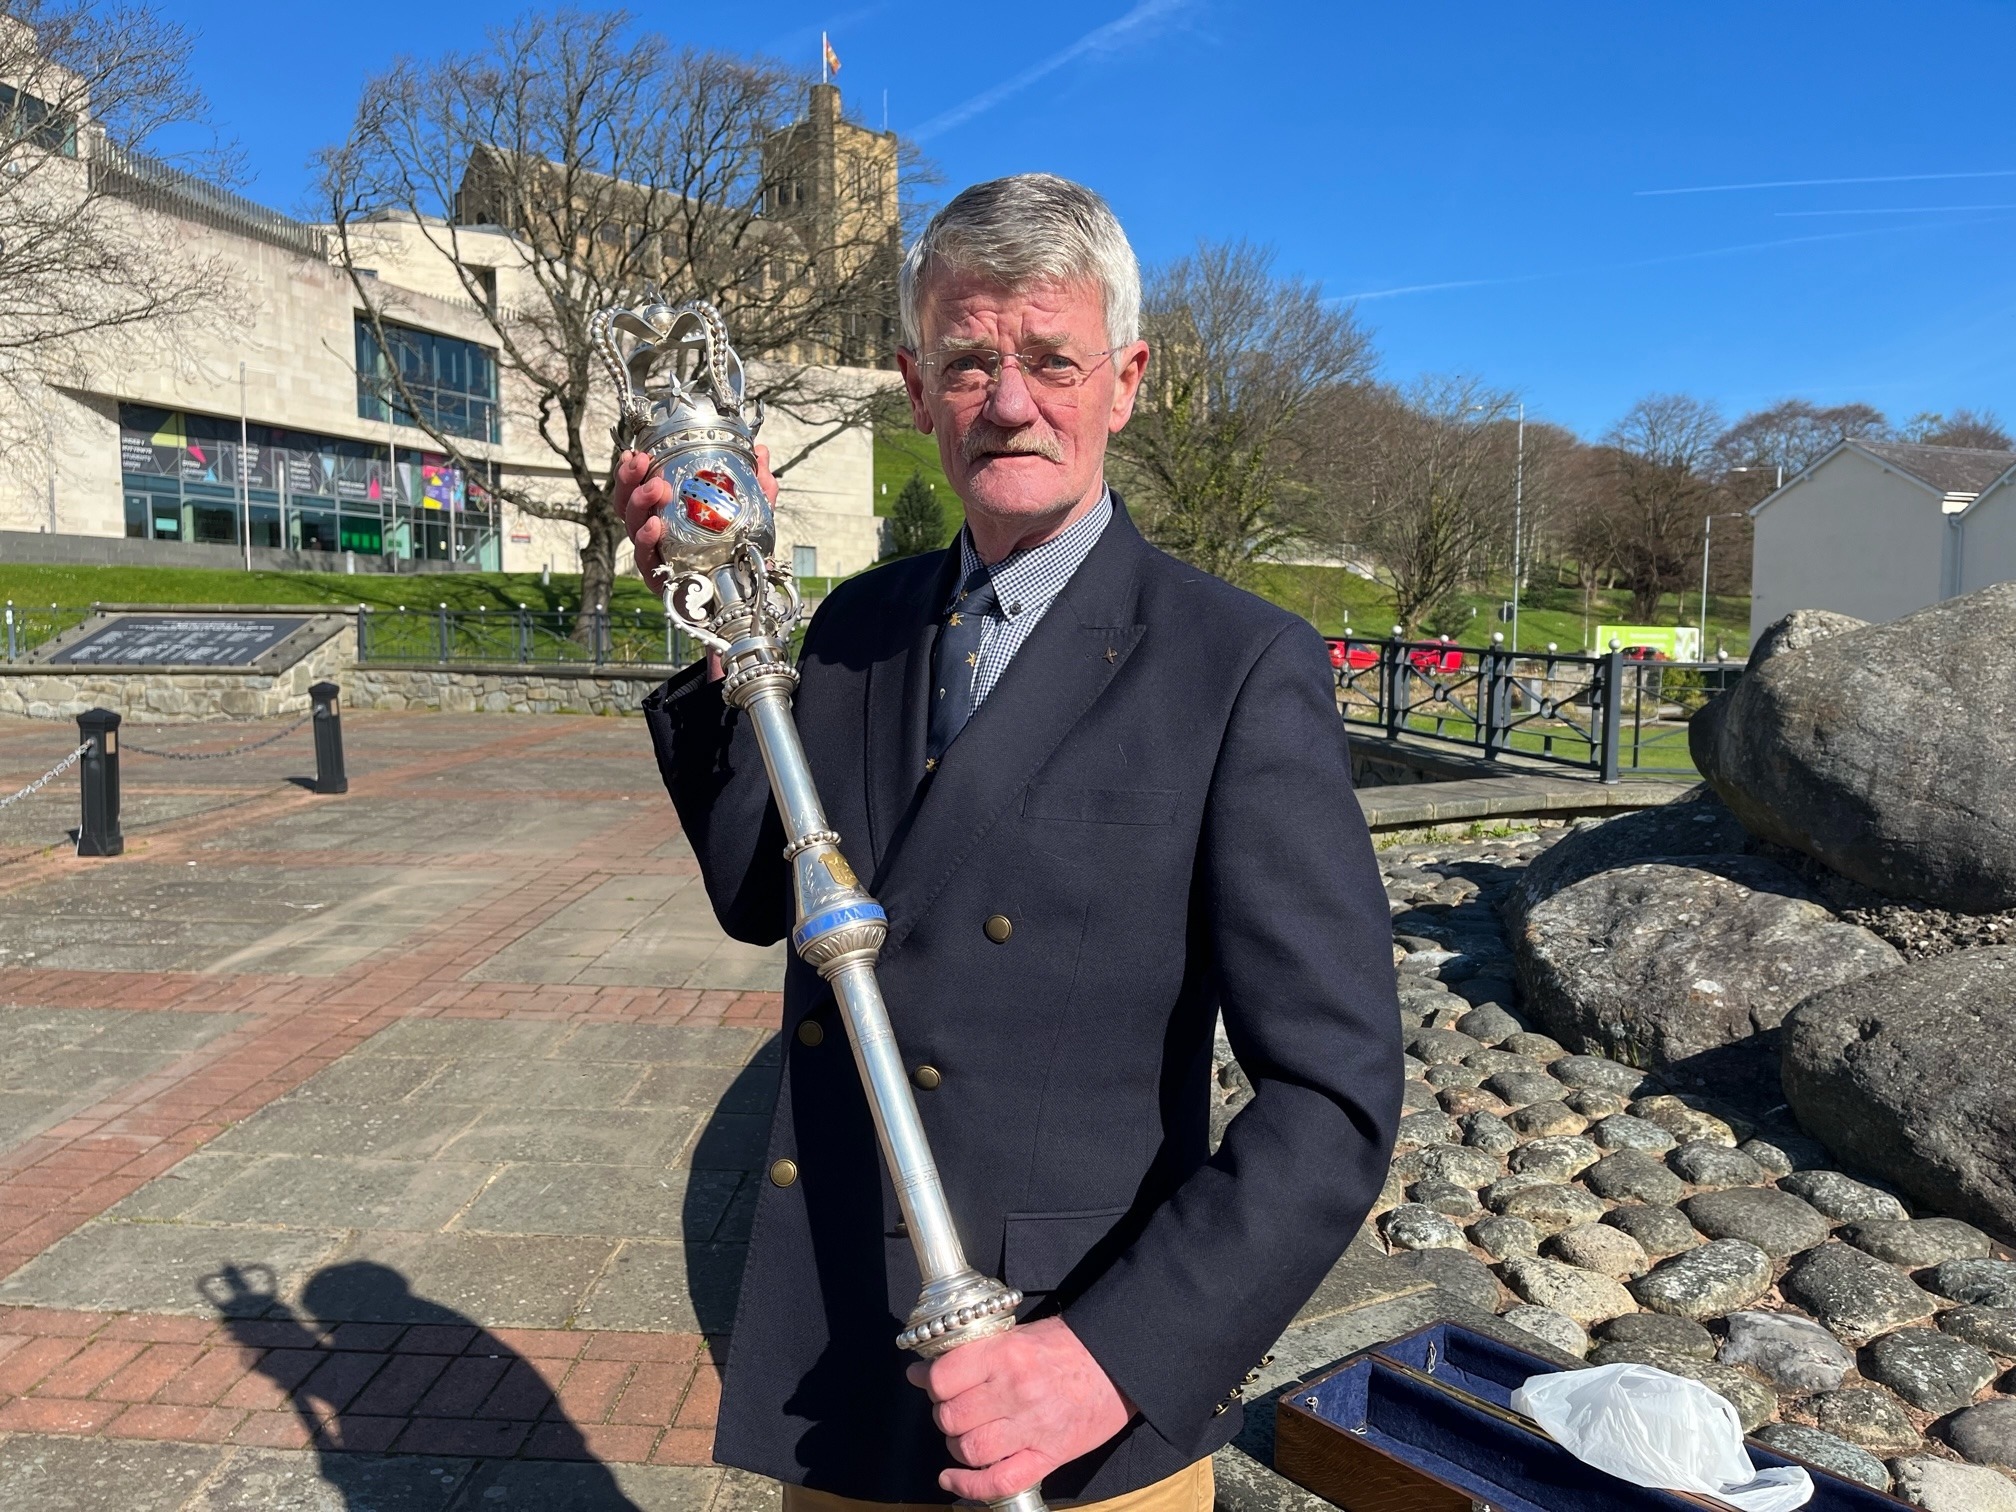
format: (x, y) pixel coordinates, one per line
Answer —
(681, 391)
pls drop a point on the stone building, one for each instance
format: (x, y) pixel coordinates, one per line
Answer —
(262, 429)
(1878, 529)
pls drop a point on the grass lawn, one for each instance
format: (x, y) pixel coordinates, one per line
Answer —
(1338, 602)
(898, 454)
(39, 586)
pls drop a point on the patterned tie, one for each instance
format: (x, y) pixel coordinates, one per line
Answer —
(954, 663)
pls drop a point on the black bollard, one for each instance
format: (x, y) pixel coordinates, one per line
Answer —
(329, 774)
(98, 829)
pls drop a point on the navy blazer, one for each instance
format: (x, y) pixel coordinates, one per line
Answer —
(1157, 797)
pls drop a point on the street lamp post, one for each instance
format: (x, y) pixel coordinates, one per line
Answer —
(1707, 529)
(1518, 522)
(1518, 513)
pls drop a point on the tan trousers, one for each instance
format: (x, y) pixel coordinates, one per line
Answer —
(1188, 1490)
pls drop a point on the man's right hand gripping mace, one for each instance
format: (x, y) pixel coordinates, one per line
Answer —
(681, 389)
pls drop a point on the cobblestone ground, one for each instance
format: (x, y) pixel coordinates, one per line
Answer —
(1686, 1225)
(390, 1150)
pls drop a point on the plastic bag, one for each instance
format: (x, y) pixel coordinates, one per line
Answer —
(1653, 1428)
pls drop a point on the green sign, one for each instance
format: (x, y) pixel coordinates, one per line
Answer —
(1679, 643)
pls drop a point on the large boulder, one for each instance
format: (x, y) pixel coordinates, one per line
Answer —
(1697, 823)
(1911, 1074)
(1795, 632)
(1887, 753)
(1657, 963)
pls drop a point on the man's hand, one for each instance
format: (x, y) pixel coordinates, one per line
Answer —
(638, 502)
(1018, 1405)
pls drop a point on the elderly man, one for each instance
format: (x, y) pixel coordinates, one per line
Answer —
(1105, 799)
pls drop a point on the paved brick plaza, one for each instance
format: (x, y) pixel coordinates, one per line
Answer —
(392, 1150)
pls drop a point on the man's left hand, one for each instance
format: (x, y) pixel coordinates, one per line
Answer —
(1018, 1405)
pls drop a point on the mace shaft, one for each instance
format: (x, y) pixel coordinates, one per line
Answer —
(839, 932)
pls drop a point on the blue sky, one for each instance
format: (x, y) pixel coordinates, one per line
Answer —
(1491, 185)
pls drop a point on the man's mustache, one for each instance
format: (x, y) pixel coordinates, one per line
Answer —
(984, 438)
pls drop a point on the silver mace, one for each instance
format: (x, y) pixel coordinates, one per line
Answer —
(722, 584)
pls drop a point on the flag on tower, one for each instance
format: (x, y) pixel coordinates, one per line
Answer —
(831, 59)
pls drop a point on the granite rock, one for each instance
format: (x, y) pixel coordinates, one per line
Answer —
(1918, 1242)
(1558, 1157)
(1866, 1416)
(1634, 1175)
(1602, 1248)
(1659, 1229)
(1827, 1452)
(1840, 1197)
(1713, 1165)
(1795, 1353)
(1776, 1222)
(1855, 1295)
(1913, 1077)
(1707, 1282)
(1940, 1485)
(1550, 1327)
(1986, 1434)
(1663, 1331)
(1986, 1283)
(1992, 1328)
(1579, 1294)
(1658, 963)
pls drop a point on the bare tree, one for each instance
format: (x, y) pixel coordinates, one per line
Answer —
(574, 163)
(85, 91)
(1790, 436)
(1654, 485)
(1211, 456)
(1964, 427)
(1423, 480)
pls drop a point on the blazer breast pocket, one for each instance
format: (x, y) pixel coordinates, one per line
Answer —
(1095, 805)
(1040, 1249)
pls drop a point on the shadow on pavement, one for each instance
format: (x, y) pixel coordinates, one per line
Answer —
(395, 1406)
(733, 1139)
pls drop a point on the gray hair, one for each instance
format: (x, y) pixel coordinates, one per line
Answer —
(1028, 229)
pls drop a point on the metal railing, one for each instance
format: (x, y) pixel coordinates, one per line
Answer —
(443, 636)
(1605, 713)
(23, 627)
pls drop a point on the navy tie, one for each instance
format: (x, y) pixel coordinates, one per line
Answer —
(954, 663)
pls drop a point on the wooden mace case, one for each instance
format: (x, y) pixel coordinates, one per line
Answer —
(1424, 1424)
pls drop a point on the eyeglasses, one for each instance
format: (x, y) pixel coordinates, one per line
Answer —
(970, 371)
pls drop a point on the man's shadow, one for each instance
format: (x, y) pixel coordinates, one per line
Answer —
(369, 1368)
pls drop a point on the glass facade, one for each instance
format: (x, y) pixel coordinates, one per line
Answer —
(453, 382)
(307, 492)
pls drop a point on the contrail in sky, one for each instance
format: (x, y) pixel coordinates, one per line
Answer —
(1619, 267)
(1898, 210)
(1143, 15)
(1894, 178)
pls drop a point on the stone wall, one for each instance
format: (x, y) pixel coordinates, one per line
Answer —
(502, 688)
(160, 695)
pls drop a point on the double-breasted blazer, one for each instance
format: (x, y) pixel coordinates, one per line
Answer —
(1156, 799)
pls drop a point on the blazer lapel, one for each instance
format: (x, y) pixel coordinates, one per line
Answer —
(899, 686)
(1055, 678)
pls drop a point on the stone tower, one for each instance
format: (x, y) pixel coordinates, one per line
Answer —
(834, 184)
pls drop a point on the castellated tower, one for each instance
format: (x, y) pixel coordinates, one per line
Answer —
(834, 184)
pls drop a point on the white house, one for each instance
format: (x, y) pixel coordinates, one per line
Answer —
(1878, 529)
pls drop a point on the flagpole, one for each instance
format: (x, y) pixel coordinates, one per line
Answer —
(822, 57)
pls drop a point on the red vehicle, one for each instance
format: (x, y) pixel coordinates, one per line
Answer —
(1427, 660)
(1645, 654)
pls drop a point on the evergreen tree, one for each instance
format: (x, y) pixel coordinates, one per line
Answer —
(917, 523)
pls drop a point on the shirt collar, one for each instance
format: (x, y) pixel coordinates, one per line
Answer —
(1028, 579)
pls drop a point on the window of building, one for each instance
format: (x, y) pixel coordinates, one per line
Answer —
(182, 475)
(25, 118)
(453, 382)
(804, 561)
